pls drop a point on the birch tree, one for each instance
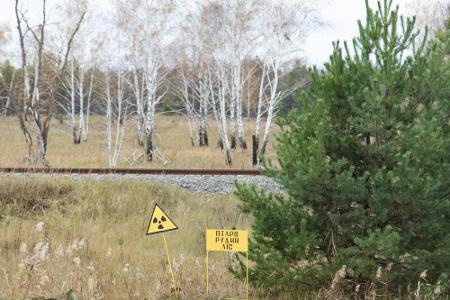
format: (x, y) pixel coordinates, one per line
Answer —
(195, 91)
(149, 21)
(193, 54)
(154, 79)
(116, 115)
(131, 29)
(219, 94)
(235, 19)
(284, 26)
(188, 101)
(75, 97)
(139, 89)
(38, 95)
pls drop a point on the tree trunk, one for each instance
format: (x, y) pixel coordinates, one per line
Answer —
(88, 110)
(75, 136)
(26, 133)
(263, 148)
(41, 130)
(228, 157)
(44, 133)
(60, 118)
(233, 141)
(203, 137)
(255, 150)
(139, 130)
(220, 143)
(242, 143)
(149, 150)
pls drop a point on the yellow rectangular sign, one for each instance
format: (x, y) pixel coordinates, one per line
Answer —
(226, 240)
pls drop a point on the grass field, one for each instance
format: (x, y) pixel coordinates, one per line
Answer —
(92, 239)
(171, 139)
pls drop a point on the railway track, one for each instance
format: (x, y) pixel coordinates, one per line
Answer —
(125, 171)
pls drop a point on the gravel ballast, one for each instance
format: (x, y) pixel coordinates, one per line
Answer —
(222, 184)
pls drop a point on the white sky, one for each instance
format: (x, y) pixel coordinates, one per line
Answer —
(340, 15)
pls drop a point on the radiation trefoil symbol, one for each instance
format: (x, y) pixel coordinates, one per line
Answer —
(160, 222)
(163, 219)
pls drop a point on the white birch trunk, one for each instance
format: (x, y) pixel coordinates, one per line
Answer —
(274, 99)
(88, 109)
(152, 73)
(114, 138)
(237, 87)
(255, 138)
(109, 121)
(189, 109)
(222, 93)
(204, 94)
(81, 125)
(138, 89)
(72, 104)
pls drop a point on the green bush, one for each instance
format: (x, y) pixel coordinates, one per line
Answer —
(366, 169)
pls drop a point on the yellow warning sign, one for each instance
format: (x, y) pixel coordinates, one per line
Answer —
(160, 222)
(226, 240)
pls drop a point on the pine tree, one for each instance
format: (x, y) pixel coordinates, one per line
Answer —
(366, 169)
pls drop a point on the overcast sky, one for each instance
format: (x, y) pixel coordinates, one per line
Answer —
(340, 15)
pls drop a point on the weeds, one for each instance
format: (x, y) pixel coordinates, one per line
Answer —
(31, 196)
(94, 241)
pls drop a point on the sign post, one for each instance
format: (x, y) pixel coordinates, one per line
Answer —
(160, 223)
(226, 240)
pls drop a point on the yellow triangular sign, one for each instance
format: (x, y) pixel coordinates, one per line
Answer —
(160, 222)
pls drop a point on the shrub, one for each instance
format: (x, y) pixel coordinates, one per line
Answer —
(366, 169)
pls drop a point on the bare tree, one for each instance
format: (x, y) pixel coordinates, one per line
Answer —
(39, 88)
(237, 41)
(154, 79)
(139, 88)
(231, 22)
(75, 96)
(219, 92)
(145, 53)
(195, 92)
(284, 26)
(116, 114)
(183, 89)
(75, 101)
(193, 55)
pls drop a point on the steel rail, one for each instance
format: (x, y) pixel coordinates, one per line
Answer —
(125, 171)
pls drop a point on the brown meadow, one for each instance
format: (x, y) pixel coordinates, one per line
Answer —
(173, 146)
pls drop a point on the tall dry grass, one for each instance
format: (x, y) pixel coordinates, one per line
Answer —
(90, 237)
(172, 140)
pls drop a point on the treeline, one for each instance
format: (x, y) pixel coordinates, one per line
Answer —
(219, 63)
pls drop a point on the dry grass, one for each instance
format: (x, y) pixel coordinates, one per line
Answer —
(92, 239)
(172, 141)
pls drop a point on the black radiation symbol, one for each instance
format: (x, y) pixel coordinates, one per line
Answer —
(163, 219)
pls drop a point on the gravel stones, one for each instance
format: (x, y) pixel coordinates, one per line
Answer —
(222, 184)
